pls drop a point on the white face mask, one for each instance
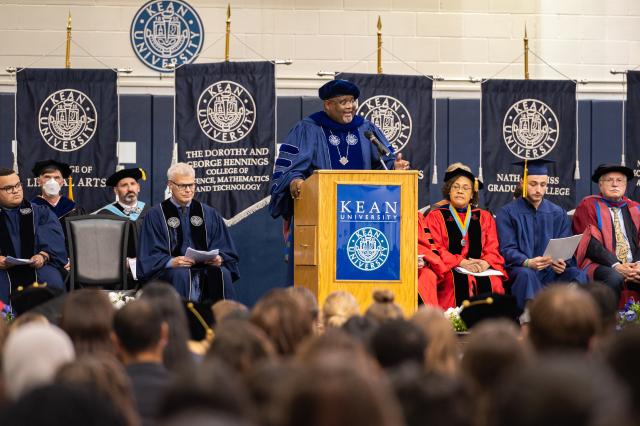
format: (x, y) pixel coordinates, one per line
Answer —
(51, 187)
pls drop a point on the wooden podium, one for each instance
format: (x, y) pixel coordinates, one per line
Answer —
(326, 217)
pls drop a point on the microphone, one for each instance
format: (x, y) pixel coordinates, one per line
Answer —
(382, 149)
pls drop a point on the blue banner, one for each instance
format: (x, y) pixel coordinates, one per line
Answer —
(528, 119)
(368, 232)
(632, 149)
(71, 116)
(402, 107)
(226, 129)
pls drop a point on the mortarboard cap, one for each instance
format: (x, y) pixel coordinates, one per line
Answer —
(200, 319)
(135, 173)
(338, 87)
(41, 166)
(29, 298)
(537, 167)
(605, 168)
(488, 306)
(462, 172)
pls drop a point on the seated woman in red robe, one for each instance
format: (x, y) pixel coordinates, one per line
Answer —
(464, 236)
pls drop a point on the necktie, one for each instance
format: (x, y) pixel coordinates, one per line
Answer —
(622, 246)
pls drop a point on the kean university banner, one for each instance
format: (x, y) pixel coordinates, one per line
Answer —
(225, 128)
(402, 107)
(632, 149)
(528, 119)
(70, 116)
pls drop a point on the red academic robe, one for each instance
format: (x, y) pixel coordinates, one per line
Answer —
(434, 268)
(481, 242)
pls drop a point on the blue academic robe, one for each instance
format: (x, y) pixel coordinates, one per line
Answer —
(524, 233)
(48, 237)
(63, 208)
(154, 253)
(306, 149)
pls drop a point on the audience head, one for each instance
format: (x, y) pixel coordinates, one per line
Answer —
(493, 350)
(11, 194)
(563, 317)
(383, 308)
(62, 405)
(229, 309)
(181, 182)
(139, 328)
(398, 341)
(432, 399)
(338, 307)
(214, 387)
(607, 304)
(331, 392)
(284, 319)
(241, 345)
(105, 376)
(32, 354)
(361, 328)
(569, 390)
(307, 299)
(442, 342)
(622, 357)
(165, 299)
(87, 317)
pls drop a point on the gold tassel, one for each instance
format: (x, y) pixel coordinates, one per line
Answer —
(144, 175)
(476, 186)
(524, 180)
(70, 188)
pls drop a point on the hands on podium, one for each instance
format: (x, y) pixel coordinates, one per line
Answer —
(399, 164)
(295, 187)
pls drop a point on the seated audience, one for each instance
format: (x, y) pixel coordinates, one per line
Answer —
(87, 317)
(383, 307)
(141, 336)
(338, 307)
(563, 318)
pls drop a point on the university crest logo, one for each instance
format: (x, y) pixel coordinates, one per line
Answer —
(166, 32)
(67, 120)
(368, 249)
(530, 129)
(226, 112)
(391, 116)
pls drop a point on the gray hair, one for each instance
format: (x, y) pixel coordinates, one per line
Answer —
(181, 169)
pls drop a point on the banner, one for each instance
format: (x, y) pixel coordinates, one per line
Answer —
(69, 116)
(368, 232)
(225, 128)
(632, 139)
(528, 119)
(402, 107)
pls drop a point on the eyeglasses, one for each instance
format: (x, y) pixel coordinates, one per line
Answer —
(465, 188)
(344, 102)
(184, 186)
(12, 188)
(609, 181)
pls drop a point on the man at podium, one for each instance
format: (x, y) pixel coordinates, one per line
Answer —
(334, 138)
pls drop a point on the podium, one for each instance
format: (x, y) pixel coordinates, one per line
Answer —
(357, 231)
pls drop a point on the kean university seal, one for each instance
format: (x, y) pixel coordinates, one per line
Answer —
(368, 249)
(166, 32)
(530, 129)
(67, 120)
(226, 112)
(391, 116)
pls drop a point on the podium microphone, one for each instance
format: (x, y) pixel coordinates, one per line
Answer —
(382, 149)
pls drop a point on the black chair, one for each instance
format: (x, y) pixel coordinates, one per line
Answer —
(97, 247)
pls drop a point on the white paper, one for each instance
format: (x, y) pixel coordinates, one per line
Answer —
(132, 267)
(488, 273)
(562, 248)
(14, 261)
(200, 256)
